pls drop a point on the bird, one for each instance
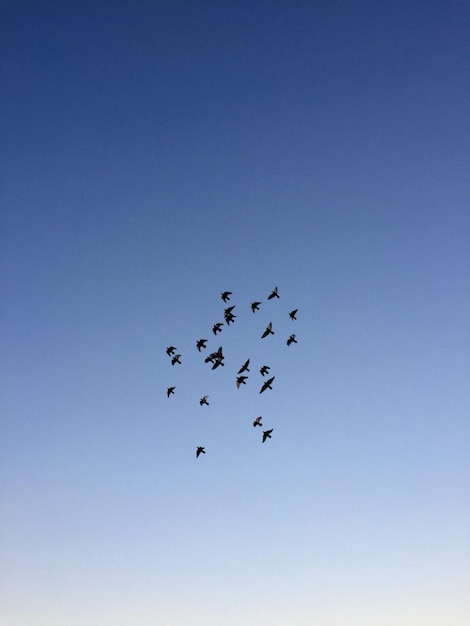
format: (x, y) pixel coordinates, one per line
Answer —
(217, 328)
(199, 450)
(291, 339)
(203, 400)
(230, 317)
(257, 421)
(216, 358)
(241, 380)
(213, 356)
(170, 350)
(273, 294)
(201, 343)
(244, 367)
(176, 359)
(226, 295)
(267, 434)
(267, 384)
(217, 362)
(264, 370)
(268, 331)
(255, 306)
(170, 390)
(292, 314)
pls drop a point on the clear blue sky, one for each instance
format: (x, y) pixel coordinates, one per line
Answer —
(155, 154)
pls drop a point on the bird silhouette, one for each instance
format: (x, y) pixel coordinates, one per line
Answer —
(244, 367)
(217, 328)
(267, 384)
(226, 296)
(170, 390)
(255, 306)
(199, 450)
(170, 350)
(203, 400)
(292, 314)
(267, 434)
(176, 359)
(230, 317)
(201, 343)
(268, 331)
(257, 421)
(264, 370)
(291, 339)
(216, 358)
(241, 380)
(273, 294)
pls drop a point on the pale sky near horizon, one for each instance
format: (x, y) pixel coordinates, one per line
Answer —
(155, 154)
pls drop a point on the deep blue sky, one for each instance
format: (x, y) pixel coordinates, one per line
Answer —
(156, 154)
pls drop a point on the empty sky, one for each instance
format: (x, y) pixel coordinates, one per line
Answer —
(155, 154)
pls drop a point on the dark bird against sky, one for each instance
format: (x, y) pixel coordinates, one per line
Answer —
(244, 367)
(268, 331)
(267, 384)
(267, 434)
(291, 339)
(273, 294)
(201, 343)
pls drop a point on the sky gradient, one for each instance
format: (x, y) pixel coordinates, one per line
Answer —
(156, 155)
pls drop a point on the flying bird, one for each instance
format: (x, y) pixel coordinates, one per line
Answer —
(228, 315)
(203, 400)
(292, 314)
(291, 339)
(218, 362)
(216, 358)
(273, 294)
(217, 328)
(176, 359)
(244, 367)
(213, 356)
(241, 380)
(257, 421)
(230, 318)
(170, 390)
(267, 384)
(199, 450)
(268, 331)
(226, 295)
(255, 306)
(267, 434)
(264, 370)
(201, 343)
(170, 350)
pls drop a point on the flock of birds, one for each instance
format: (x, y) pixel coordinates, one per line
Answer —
(216, 359)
